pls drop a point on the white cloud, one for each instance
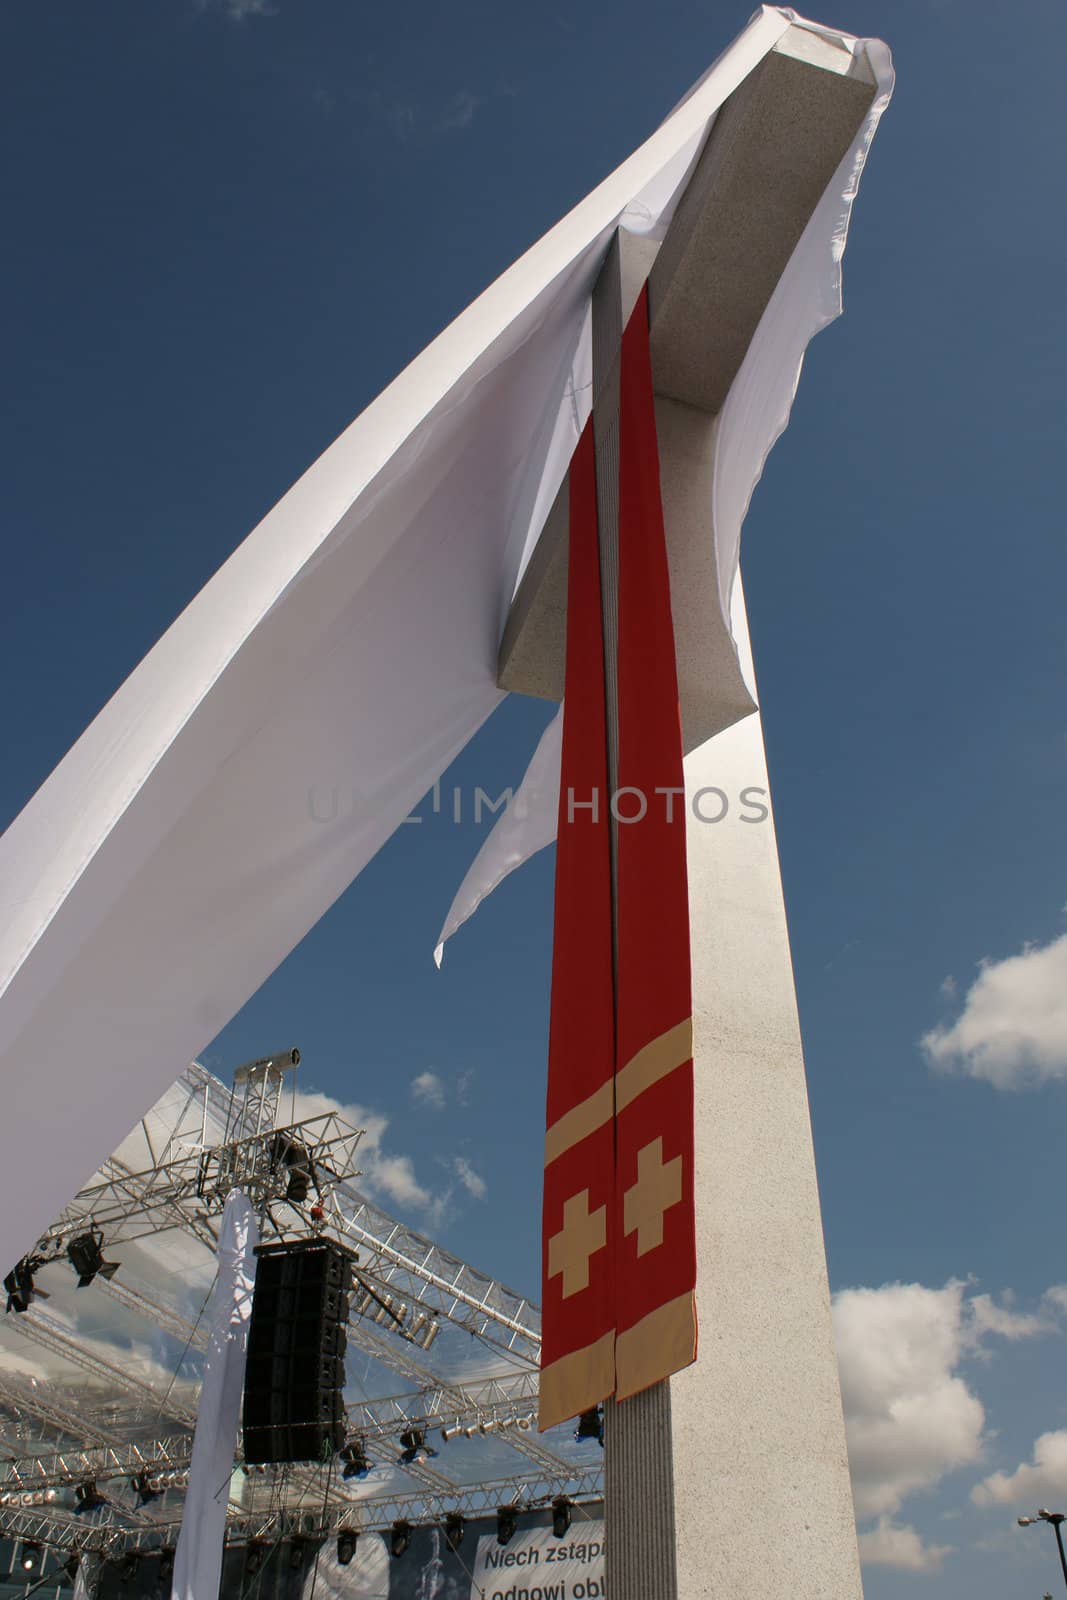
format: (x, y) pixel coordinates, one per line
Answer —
(986, 1316)
(428, 1090)
(382, 1174)
(1012, 1030)
(1033, 1483)
(472, 1181)
(1057, 1296)
(909, 1417)
(889, 1544)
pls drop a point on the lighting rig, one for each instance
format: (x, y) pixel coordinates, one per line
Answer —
(406, 1290)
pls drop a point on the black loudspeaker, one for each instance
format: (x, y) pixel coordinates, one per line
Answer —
(295, 1372)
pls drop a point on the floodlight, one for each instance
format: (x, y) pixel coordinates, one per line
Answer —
(507, 1520)
(346, 1546)
(399, 1537)
(144, 1489)
(30, 1559)
(590, 1426)
(86, 1255)
(354, 1457)
(20, 1286)
(87, 1497)
(455, 1526)
(561, 1516)
(414, 1446)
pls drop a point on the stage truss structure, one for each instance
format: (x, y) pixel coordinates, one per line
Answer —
(96, 1454)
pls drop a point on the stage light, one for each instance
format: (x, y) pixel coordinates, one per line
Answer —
(507, 1520)
(143, 1489)
(451, 1433)
(86, 1256)
(415, 1446)
(253, 1559)
(561, 1517)
(30, 1559)
(590, 1426)
(296, 1555)
(346, 1547)
(455, 1527)
(19, 1284)
(166, 1566)
(128, 1566)
(88, 1498)
(399, 1537)
(354, 1458)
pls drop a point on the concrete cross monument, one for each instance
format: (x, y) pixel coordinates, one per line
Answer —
(754, 1429)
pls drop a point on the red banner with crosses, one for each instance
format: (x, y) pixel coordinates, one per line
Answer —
(655, 1243)
(578, 1294)
(619, 1253)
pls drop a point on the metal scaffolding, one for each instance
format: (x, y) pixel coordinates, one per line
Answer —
(102, 1425)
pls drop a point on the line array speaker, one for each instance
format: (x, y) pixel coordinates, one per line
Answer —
(295, 1372)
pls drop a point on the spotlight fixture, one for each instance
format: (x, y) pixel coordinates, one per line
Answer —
(399, 1537)
(30, 1559)
(166, 1566)
(86, 1256)
(354, 1459)
(19, 1284)
(346, 1546)
(253, 1559)
(561, 1517)
(88, 1498)
(590, 1426)
(455, 1527)
(296, 1555)
(414, 1445)
(507, 1520)
(450, 1433)
(144, 1489)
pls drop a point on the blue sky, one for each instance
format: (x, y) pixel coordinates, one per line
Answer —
(227, 227)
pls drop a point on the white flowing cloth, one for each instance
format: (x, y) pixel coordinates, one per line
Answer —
(755, 414)
(198, 1557)
(175, 856)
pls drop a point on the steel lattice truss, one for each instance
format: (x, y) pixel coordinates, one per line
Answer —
(127, 1431)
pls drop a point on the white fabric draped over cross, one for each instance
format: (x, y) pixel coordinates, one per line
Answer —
(754, 415)
(172, 860)
(198, 1557)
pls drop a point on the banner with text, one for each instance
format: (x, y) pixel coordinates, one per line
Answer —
(535, 1565)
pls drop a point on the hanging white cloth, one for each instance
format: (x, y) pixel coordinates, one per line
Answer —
(755, 413)
(81, 1582)
(198, 1557)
